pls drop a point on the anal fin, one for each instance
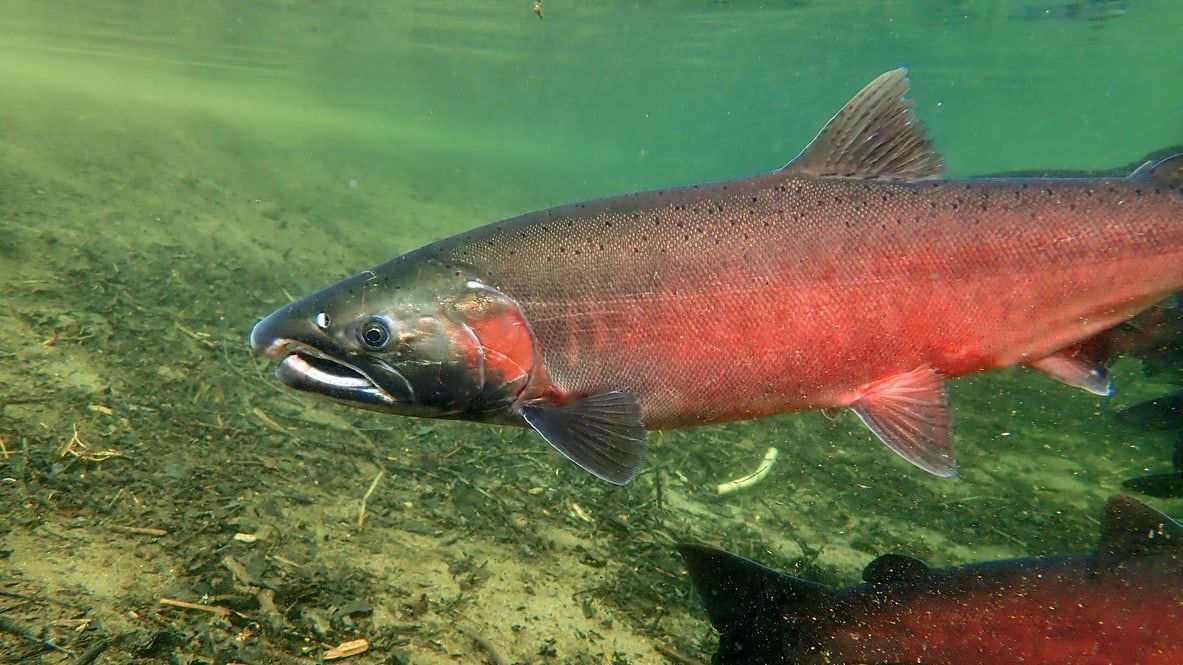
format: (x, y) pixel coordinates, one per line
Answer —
(910, 413)
(602, 433)
(1074, 367)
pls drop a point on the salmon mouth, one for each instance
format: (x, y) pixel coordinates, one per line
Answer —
(309, 370)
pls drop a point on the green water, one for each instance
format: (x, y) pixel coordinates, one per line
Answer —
(169, 172)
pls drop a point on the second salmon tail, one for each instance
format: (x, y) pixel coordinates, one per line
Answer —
(762, 616)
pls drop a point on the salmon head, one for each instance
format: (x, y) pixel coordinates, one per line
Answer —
(411, 337)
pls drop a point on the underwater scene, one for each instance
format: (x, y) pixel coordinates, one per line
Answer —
(884, 364)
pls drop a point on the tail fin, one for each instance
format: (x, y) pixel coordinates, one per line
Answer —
(763, 617)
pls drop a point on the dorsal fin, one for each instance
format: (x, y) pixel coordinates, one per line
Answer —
(876, 135)
(890, 568)
(1169, 171)
(1129, 529)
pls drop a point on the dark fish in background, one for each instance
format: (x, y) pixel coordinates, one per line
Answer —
(855, 276)
(1154, 336)
(1164, 413)
(1123, 603)
(1164, 485)
(1095, 11)
(1152, 158)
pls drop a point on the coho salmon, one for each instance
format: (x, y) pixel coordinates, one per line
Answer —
(854, 277)
(1122, 603)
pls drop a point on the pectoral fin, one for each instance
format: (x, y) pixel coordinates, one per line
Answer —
(910, 413)
(602, 433)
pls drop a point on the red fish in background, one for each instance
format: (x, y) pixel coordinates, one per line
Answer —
(1122, 604)
(856, 276)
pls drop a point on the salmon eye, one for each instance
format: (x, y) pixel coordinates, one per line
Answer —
(323, 321)
(375, 335)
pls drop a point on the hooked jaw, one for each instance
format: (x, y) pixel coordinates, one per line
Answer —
(303, 366)
(410, 338)
(301, 370)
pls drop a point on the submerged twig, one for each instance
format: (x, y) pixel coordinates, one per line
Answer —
(28, 399)
(92, 654)
(756, 476)
(483, 643)
(361, 513)
(266, 419)
(139, 530)
(44, 598)
(10, 625)
(459, 478)
(676, 657)
(239, 572)
(347, 649)
(76, 447)
(212, 609)
(270, 612)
